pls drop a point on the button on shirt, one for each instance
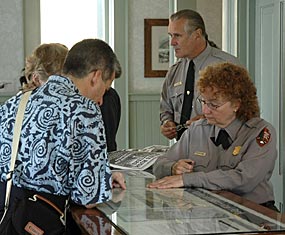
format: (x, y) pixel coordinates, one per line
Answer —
(62, 147)
(245, 168)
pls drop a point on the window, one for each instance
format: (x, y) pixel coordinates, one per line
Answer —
(70, 21)
(230, 26)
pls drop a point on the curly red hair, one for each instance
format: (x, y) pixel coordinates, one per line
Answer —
(233, 83)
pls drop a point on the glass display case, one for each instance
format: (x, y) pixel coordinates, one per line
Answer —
(140, 210)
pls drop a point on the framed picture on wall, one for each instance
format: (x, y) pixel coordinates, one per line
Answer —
(156, 47)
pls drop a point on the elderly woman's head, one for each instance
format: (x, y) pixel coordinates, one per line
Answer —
(46, 60)
(227, 89)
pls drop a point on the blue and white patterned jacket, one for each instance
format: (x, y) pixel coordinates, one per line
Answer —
(62, 148)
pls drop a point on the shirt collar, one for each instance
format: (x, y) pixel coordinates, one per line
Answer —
(199, 60)
(64, 80)
(231, 129)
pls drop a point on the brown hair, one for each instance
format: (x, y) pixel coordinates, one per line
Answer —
(46, 60)
(233, 83)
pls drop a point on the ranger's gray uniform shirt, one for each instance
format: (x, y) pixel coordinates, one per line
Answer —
(244, 168)
(172, 94)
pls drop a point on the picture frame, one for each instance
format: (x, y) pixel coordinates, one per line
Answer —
(156, 47)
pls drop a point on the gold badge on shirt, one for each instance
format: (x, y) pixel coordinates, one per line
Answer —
(200, 154)
(236, 150)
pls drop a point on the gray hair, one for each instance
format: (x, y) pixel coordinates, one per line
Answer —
(194, 21)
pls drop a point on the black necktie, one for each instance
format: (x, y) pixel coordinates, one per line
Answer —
(188, 97)
(223, 139)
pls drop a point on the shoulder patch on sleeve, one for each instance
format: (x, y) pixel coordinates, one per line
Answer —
(263, 137)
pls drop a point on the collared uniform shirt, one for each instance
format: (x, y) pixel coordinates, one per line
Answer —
(173, 89)
(62, 147)
(244, 168)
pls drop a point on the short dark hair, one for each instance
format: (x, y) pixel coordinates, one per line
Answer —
(89, 55)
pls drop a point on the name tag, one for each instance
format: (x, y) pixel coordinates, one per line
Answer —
(178, 84)
(200, 154)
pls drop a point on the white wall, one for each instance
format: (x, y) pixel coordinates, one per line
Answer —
(12, 44)
(211, 11)
(12, 40)
(138, 11)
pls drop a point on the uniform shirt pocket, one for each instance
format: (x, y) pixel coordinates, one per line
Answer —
(201, 159)
(231, 158)
(176, 96)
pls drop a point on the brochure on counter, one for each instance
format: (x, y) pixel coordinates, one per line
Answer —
(136, 159)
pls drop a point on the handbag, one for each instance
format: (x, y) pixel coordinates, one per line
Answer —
(31, 212)
(34, 215)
